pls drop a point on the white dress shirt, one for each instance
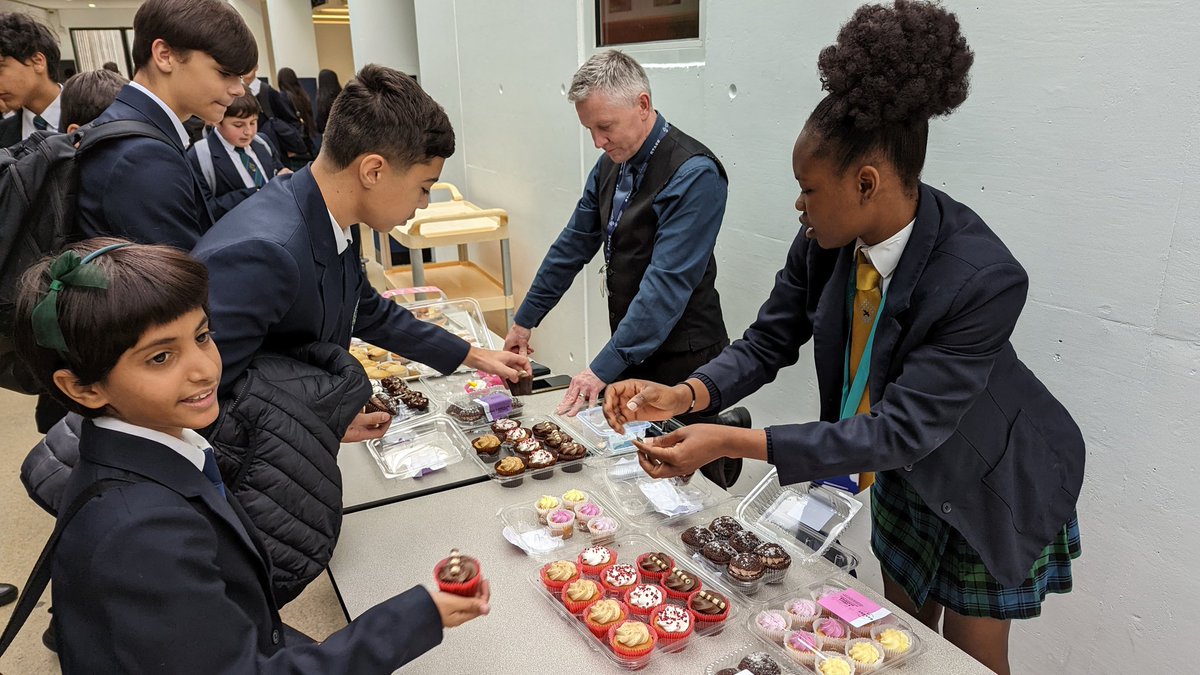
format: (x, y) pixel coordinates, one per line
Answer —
(52, 114)
(885, 255)
(191, 446)
(247, 181)
(341, 235)
(183, 136)
(255, 86)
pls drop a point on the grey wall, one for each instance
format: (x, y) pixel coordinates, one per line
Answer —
(1078, 145)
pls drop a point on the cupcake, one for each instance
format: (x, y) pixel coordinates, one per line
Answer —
(833, 632)
(802, 646)
(760, 663)
(654, 565)
(561, 523)
(744, 541)
(510, 466)
(569, 454)
(895, 641)
(864, 631)
(671, 623)
(458, 574)
(527, 447)
(708, 607)
(593, 559)
(602, 615)
(833, 663)
(543, 459)
(866, 654)
(643, 598)
(631, 639)
(559, 573)
(381, 403)
(803, 611)
(516, 435)
(543, 429)
(556, 439)
(679, 584)
(377, 354)
(725, 526)
(773, 624)
(572, 498)
(602, 528)
(580, 593)
(544, 506)
(694, 538)
(505, 425)
(718, 552)
(468, 415)
(619, 577)
(585, 512)
(775, 560)
(745, 568)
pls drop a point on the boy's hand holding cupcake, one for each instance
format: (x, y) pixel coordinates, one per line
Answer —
(463, 593)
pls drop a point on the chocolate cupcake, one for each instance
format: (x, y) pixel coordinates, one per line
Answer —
(760, 663)
(744, 541)
(556, 438)
(569, 454)
(694, 538)
(393, 385)
(381, 403)
(709, 607)
(680, 584)
(745, 567)
(728, 671)
(517, 435)
(542, 459)
(505, 425)
(725, 526)
(527, 447)
(718, 552)
(775, 559)
(654, 565)
(487, 444)
(542, 429)
(468, 415)
(510, 467)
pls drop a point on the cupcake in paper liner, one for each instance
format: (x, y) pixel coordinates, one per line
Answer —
(593, 559)
(802, 646)
(603, 614)
(619, 577)
(866, 653)
(585, 512)
(834, 663)
(672, 623)
(833, 632)
(776, 561)
(643, 599)
(694, 538)
(773, 624)
(458, 574)
(580, 593)
(544, 506)
(864, 631)
(653, 566)
(603, 529)
(631, 639)
(561, 523)
(803, 610)
(896, 641)
(680, 584)
(708, 607)
(572, 498)
(559, 573)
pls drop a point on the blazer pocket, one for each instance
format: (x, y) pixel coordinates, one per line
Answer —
(1029, 476)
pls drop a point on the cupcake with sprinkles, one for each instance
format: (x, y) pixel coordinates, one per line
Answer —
(671, 623)
(619, 577)
(593, 559)
(643, 598)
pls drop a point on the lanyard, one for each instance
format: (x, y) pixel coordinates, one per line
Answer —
(852, 392)
(619, 210)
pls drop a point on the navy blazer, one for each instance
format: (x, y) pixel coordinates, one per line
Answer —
(140, 188)
(230, 190)
(977, 435)
(276, 281)
(163, 575)
(10, 130)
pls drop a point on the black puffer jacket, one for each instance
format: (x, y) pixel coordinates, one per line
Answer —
(276, 444)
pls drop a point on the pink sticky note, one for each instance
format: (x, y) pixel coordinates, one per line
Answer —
(853, 608)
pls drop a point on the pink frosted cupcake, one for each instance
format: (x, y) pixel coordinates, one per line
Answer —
(803, 646)
(833, 633)
(773, 624)
(603, 529)
(561, 523)
(585, 512)
(803, 611)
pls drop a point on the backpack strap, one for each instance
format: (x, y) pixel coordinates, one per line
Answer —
(205, 158)
(40, 576)
(90, 135)
(262, 142)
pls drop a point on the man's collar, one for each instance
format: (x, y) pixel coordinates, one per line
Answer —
(341, 236)
(183, 136)
(644, 151)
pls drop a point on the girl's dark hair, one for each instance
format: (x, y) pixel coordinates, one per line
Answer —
(209, 26)
(290, 85)
(328, 89)
(891, 71)
(22, 37)
(147, 286)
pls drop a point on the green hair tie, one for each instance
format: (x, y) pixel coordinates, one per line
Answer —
(66, 270)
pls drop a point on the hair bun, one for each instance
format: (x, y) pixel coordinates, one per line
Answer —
(896, 65)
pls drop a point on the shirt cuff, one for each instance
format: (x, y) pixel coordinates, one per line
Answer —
(714, 394)
(770, 448)
(608, 364)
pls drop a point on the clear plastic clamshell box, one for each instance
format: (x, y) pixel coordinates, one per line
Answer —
(468, 410)
(883, 633)
(521, 521)
(417, 448)
(797, 574)
(405, 414)
(628, 548)
(734, 660)
(590, 425)
(489, 461)
(645, 500)
(461, 316)
(807, 516)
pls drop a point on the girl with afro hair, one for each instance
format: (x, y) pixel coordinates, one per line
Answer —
(910, 300)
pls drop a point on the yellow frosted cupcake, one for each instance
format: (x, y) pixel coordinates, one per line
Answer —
(896, 642)
(866, 654)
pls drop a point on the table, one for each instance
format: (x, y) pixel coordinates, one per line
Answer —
(386, 550)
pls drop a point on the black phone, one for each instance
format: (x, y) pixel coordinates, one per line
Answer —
(551, 383)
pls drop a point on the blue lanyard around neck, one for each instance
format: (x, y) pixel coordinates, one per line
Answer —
(619, 209)
(852, 392)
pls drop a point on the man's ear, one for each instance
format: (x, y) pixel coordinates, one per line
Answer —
(162, 57)
(370, 170)
(644, 106)
(86, 395)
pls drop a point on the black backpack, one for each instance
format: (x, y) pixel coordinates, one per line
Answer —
(39, 184)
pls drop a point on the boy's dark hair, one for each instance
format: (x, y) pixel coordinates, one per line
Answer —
(209, 26)
(111, 65)
(86, 95)
(891, 70)
(384, 111)
(244, 106)
(147, 286)
(22, 36)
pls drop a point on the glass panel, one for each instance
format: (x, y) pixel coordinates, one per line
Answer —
(628, 21)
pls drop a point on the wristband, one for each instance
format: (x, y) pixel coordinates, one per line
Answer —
(693, 390)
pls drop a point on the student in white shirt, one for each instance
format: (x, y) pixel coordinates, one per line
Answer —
(234, 160)
(28, 68)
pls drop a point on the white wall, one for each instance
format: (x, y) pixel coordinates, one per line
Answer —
(1078, 145)
(334, 50)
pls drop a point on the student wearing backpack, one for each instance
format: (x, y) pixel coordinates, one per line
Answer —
(28, 63)
(234, 160)
(188, 58)
(87, 95)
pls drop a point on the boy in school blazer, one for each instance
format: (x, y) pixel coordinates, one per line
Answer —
(142, 188)
(29, 59)
(234, 161)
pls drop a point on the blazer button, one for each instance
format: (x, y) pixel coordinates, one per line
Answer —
(908, 467)
(946, 507)
(275, 637)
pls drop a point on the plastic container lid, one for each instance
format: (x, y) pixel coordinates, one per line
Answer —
(810, 515)
(592, 426)
(645, 500)
(415, 449)
(488, 462)
(734, 659)
(482, 407)
(520, 520)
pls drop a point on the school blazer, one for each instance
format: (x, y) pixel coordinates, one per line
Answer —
(276, 281)
(161, 575)
(976, 434)
(10, 130)
(230, 190)
(141, 188)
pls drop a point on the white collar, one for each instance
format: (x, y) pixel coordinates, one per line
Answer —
(191, 446)
(183, 135)
(885, 255)
(254, 86)
(52, 114)
(341, 235)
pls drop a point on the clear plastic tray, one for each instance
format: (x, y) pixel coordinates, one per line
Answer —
(625, 481)
(468, 413)
(488, 462)
(813, 592)
(811, 515)
(462, 317)
(405, 414)
(520, 519)
(800, 572)
(734, 658)
(414, 449)
(413, 370)
(628, 548)
(590, 425)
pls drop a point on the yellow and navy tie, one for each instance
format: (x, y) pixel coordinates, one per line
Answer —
(867, 297)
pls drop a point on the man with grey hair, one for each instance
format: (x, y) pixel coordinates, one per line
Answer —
(653, 203)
